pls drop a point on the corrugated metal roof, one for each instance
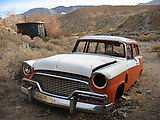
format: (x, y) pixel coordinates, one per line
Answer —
(34, 22)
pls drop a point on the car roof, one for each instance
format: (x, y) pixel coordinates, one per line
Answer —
(108, 38)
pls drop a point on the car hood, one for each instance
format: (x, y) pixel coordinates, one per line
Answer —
(82, 64)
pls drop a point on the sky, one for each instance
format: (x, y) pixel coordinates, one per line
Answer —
(20, 6)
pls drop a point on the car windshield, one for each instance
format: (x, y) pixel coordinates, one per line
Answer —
(112, 48)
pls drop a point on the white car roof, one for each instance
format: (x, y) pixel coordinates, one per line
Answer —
(108, 38)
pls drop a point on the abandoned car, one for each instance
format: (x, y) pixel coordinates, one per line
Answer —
(99, 70)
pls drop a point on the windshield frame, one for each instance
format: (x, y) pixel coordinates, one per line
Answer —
(87, 44)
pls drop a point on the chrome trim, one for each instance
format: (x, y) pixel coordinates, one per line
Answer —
(30, 94)
(67, 78)
(73, 104)
(24, 67)
(87, 93)
(53, 95)
(65, 103)
(39, 87)
(95, 84)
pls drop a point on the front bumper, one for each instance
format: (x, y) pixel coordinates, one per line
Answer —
(66, 103)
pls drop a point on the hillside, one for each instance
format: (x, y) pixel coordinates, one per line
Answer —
(146, 21)
(38, 11)
(63, 9)
(96, 18)
(153, 2)
(53, 11)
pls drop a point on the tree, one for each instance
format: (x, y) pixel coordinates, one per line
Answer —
(10, 12)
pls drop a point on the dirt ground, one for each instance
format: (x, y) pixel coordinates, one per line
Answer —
(141, 102)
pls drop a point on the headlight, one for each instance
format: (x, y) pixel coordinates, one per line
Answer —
(99, 81)
(27, 69)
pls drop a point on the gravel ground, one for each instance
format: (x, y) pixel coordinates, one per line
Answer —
(142, 101)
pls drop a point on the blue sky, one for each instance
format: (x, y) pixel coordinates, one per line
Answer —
(20, 6)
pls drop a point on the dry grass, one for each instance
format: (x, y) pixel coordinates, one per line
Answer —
(17, 48)
(52, 25)
(147, 38)
(11, 21)
(143, 37)
(158, 54)
(156, 48)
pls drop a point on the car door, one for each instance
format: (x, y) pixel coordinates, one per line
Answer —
(133, 63)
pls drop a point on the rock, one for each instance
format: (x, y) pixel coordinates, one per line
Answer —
(119, 114)
(139, 91)
(18, 108)
(147, 91)
(44, 113)
(126, 97)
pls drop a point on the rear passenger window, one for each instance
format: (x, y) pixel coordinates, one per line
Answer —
(135, 50)
(129, 52)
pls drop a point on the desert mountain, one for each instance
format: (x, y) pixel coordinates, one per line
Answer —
(63, 9)
(145, 21)
(153, 2)
(38, 11)
(54, 11)
(105, 18)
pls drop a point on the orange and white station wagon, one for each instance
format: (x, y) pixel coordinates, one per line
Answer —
(99, 70)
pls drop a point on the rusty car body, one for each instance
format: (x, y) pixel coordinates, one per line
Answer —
(97, 72)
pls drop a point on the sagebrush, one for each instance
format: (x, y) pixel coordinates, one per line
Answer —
(16, 48)
(52, 25)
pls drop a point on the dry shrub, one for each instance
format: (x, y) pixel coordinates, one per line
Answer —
(11, 21)
(54, 41)
(39, 43)
(158, 54)
(1, 22)
(52, 24)
(147, 38)
(17, 48)
(156, 48)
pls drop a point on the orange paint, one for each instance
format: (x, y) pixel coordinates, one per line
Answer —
(111, 87)
(113, 84)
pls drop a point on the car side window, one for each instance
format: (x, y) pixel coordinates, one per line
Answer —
(92, 47)
(100, 48)
(135, 50)
(129, 52)
(81, 46)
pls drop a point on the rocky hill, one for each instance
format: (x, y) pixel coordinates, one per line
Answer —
(153, 2)
(53, 11)
(146, 21)
(63, 9)
(38, 11)
(99, 18)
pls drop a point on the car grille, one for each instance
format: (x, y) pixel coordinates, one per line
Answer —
(64, 74)
(59, 86)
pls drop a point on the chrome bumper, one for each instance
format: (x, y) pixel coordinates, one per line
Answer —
(70, 103)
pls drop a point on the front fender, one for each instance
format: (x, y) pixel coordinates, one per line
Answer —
(113, 70)
(116, 74)
(30, 62)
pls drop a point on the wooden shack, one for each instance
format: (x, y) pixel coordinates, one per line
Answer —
(32, 29)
